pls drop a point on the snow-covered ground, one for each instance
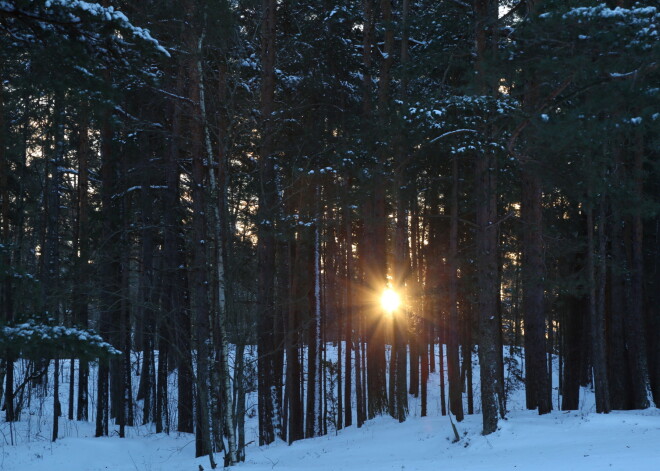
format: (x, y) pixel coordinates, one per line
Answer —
(576, 440)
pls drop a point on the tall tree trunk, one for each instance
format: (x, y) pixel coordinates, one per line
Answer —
(359, 384)
(348, 314)
(218, 193)
(198, 272)
(634, 322)
(174, 277)
(536, 373)
(81, 301)
(376, 386)
(318, 326)
(374, 229)
(453, 326)
(266, 240)
(400, 316)
(401, 250)
(487, 289)
(359, 342)
(597, 323)
(616, 352)
(146, 387)
(121, 398)
(313, 425)
(415, 290)
(486, 232)
(293, 367)
(6, 304)
(110, 264)
(654, 305)
(51, 275)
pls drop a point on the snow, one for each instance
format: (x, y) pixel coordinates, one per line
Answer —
(142, 452)
(603, 11)
(29, 333)
(109, 14)
(576, 440)
(564, 441)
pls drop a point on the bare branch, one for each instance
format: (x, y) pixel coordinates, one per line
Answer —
(450, 133)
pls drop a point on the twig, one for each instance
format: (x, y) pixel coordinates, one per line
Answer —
(450, 133)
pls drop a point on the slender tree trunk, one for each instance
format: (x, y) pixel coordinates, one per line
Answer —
(146, 387)
(51, 275)
(617, 354)
(375, 227)
(198, 272)
(80, 302)
(453, 326)
(266, 240)
(601, 384)
(318, 326)
(161, 418)
(121, 390)
(313, 426)
(359, 384)
(654, 305)
(348, 314)
(293, 367)
(174, 278)
(239, 415)
(634, 322)
(6, 304)
(424, 373)
(400, 316)
(72, 387)
(57, 409)
(223, 382)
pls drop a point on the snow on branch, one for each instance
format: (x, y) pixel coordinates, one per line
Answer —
(32, 339)
(449, 134)
(107, 14)
(71, 14)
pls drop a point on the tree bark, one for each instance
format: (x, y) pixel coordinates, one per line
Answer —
(533, 276)
(198, 273)
(110, 267)
(348, 314)
(616, 352)
(81, 301)
(453, 326)
(266, 240)
(7, 304)
(222, 377)
(634, 322)
(597, 323)
(486, 233)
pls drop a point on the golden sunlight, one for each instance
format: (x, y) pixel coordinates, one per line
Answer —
(390, 300)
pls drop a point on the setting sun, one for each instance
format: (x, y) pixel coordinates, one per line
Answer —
(390, 300)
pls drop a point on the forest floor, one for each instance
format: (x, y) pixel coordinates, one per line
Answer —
(560, 441)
